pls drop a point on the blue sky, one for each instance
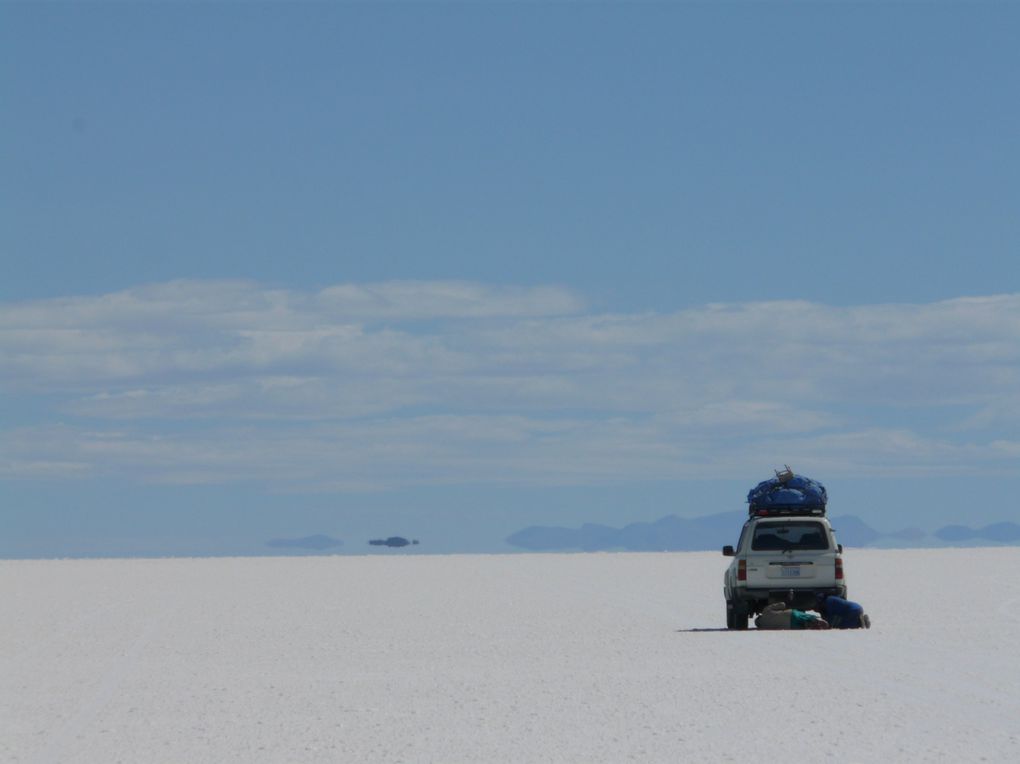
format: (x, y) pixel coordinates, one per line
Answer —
(447, 270)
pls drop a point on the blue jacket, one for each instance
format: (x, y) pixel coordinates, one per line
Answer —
(841, 613)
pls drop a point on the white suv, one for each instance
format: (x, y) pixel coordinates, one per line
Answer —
(787, 556)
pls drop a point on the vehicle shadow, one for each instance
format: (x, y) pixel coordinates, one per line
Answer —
(692, 631)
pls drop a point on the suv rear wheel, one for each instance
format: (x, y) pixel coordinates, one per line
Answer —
(736, 615)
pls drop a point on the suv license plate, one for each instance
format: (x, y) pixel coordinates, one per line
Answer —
(791, 572)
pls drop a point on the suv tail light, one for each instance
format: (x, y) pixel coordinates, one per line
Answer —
(839, 568)
(742, 571)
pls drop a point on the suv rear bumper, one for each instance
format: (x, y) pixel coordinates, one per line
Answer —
(803, 598)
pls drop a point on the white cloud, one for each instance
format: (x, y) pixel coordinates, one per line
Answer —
(411, 300)
(229, 329)
(403, 383)
(450, 449)
(213, 305)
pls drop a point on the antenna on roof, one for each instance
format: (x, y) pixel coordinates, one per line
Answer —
(784, 475)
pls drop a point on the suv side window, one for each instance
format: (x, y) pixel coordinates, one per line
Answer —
(776, 537)
(743, 535)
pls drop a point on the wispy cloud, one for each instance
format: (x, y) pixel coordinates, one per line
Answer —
(371, 386)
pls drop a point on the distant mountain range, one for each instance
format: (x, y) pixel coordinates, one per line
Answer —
(1005, 533)
(675, 534)
(670, 533)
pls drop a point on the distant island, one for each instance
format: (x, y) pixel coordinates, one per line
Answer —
(394, 541)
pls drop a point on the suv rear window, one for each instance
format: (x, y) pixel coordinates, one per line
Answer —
(776, 537)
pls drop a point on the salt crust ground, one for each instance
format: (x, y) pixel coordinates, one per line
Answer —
(515, 658)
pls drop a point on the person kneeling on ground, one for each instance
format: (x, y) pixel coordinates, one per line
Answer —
(778, 616)
(841, 613)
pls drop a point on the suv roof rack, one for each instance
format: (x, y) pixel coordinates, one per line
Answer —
(786, 510)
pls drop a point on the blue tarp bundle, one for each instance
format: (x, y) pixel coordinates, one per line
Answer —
(797, 491)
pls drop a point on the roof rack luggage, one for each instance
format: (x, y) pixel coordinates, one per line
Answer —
(787, 494)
